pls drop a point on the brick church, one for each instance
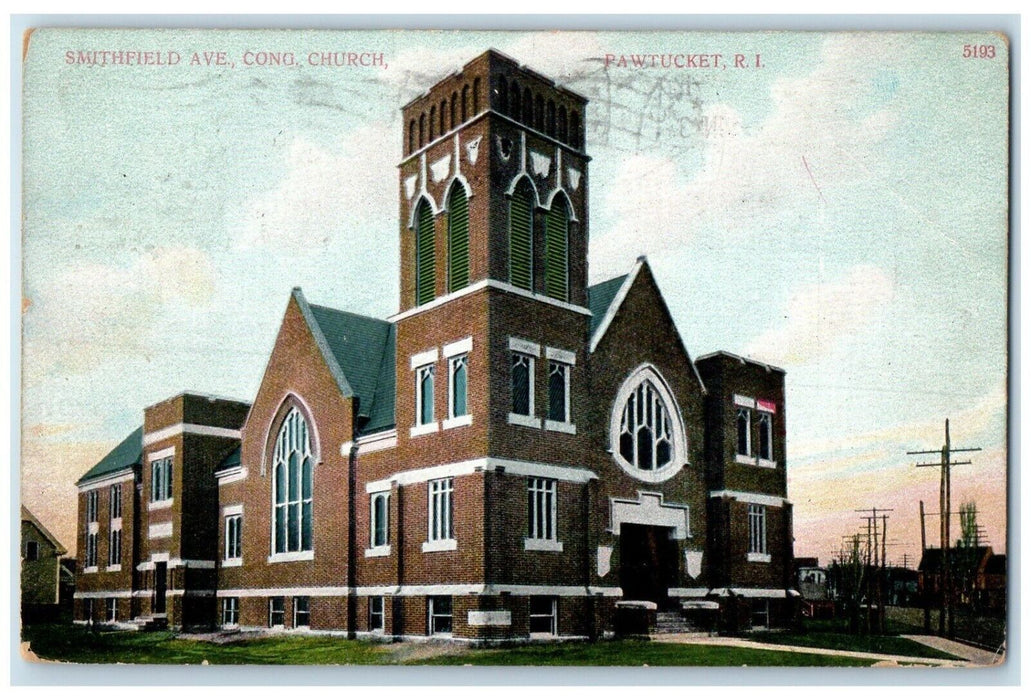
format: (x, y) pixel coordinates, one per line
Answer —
(513, 454)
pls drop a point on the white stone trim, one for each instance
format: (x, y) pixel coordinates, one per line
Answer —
(113, 568)
(384, 440)
(90, 570)
(160, 505)
(102, 594)
(506, 287)
(524, 346)
(559, 355)
(525, 421)
(688, 592)
(538, 545)
(766, 406)
(160, 454)
(766, 463)
(109, 480)
(744, 459)
(424, 429)
(744, 401)
(475, 287)
(759, 592)
(421, 590)
(230, 563)
(231, 474)
(191, 429)
(381, 551)
(759, 558)
(459, 347)
(191, 563)
(640, 374)
(650, 509)
(449, 545)
(94, 528)
(457, 422)
(116, 523)
(756, 498)
(158, 531)
(617, 301)
(234, 509)
(306, 555)
(313, 592)
(511, 467)
(560, 427)
(421, 359)
(490, 618)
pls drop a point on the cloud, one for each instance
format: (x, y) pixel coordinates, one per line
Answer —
(92, 312)
(820, 315)
(816, 139)
(325, 191)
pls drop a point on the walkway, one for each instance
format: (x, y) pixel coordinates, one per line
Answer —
(884, 659)
(974, 655)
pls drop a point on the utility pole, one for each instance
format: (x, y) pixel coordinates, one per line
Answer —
(923, 554)
(878, 548)
(945, 503)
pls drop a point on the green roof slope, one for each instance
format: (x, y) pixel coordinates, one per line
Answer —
(128, 453)
(599, 299)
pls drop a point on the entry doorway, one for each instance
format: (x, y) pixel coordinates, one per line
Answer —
(160, 585)
(648, 563)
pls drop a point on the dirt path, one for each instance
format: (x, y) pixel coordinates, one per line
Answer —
(882, 659)
(974, 655)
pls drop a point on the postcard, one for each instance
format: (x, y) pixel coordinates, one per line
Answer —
(498, 347)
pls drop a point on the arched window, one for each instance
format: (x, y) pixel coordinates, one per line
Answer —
(520, 236)
(538, 113)
(433, 120)
(574, 129)
(443, 117)
(476, 96)
(457, 238)
(465, 102)
(514, 100)
(556, 250)
(292, 486)
(425, 281)
(527, 107)
(454, 110)
(551, 118)
(563, 127)
(411, 136)
(422, 129)
(502, 93)
(646, 429)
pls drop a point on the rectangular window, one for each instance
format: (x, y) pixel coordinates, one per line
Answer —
(276, 611)
(161, 480)
(760, 613)
(114, 551)
(31, 550)
(380, 528)
(116, 501)
(756, 529)
(234, 537)
(458, 388)
(543, 615)
(112, 609)
(92, 500)
(765, 435)
(230, 611)
(558, 392)
(302, 615)
(376, 613)
(440, 614)
(424, 395)
(541, 507)
(522, 384)
(744, 432)
(440, 516)
(91, 550)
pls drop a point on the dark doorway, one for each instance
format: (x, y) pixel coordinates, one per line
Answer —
(160, 585)
(648, 563)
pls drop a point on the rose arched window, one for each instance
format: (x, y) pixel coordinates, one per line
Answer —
(647, 430)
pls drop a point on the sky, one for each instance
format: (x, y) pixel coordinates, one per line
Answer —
(839, 210)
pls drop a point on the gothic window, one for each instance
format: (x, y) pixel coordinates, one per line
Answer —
(556, 250)
(425, 280)
(292, 487)
(563, 127)
(744, 432)
(458, 238)
(574, 129)
(520, 237)
(514, 102)
(646, 429)
(765, 435)
(527, 107)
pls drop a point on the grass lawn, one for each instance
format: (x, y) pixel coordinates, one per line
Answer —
(75, 644)
(827, 634)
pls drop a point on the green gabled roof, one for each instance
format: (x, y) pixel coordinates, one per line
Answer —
(128, 453)
(599, 299)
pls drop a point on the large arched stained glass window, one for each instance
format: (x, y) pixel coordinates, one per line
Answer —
(556, 250)
(646, 429)
(520, 236)
(457, 239)
(425, 278)
(292, 486)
